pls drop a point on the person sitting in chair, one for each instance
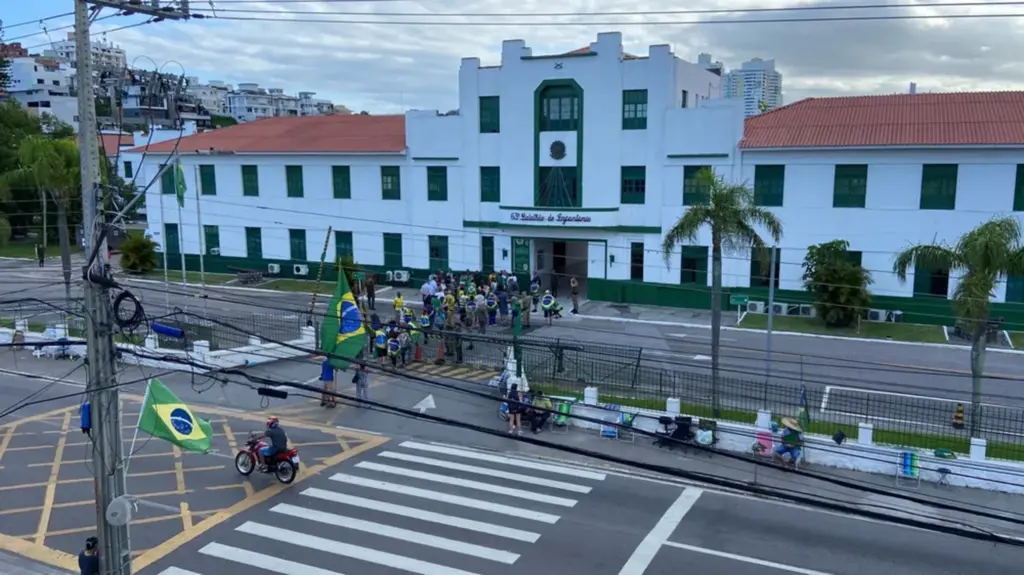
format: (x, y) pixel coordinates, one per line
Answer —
(792, 442)
(539, 411)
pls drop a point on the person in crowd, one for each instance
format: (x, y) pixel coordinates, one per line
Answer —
(574, 288)
(540, 411)
(399, 304)
(362, 381)
(327, 375)
(371, 291)
(515, 409)
(789, 450)
(89, 558)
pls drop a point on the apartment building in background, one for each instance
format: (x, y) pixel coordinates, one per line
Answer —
(757, 83)
(250, 102)
(43, 86)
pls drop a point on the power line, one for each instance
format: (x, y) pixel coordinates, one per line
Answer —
(38, 21)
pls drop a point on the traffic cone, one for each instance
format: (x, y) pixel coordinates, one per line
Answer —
(440, 352)
(419, 353)
(958, 417)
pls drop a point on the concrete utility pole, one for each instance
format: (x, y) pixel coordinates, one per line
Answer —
(115, 553)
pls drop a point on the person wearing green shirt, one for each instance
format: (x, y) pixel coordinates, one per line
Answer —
(539, 412)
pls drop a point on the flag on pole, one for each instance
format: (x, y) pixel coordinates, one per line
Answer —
(165, 417)
(342, 333)
(179, 183)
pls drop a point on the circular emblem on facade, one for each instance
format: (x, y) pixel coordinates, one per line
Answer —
(557, 150)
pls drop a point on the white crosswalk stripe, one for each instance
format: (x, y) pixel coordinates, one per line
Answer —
(418, 508)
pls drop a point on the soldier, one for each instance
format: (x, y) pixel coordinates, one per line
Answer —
(524, 304)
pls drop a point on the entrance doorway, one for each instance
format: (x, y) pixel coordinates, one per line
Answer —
(558, 261)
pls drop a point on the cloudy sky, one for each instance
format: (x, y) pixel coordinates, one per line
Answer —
(387, 66)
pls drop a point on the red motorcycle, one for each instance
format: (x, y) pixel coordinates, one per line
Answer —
(283, 464)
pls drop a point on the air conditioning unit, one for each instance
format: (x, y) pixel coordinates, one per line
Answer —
(876, 315)
(401, 276)
(273, 268)
(808, 310)
(779, 308)
(755, 307)
(214, 251)
(793, 309)
(895, 316)
(300, 270)
(389, 276)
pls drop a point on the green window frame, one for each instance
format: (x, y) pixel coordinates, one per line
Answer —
(490, 114)
(254, 243)
(695, 193)
(559, 109)
(390, 183)
(487, 254)
(1018, 190)
(293, 179)
(938, 186)
(855, 257)
(634, 109)
(636, 261)
(437, 184)
(297, 245)
(341, 180)
(128, 170)
(343, 244)
(392, 251)
(250, 181)
(167, 179)
(633, 185)
(760, 270)
(850, 186)
(172, 239)
(1015, 289)
(931, 282)
(211, 240)
(693, 268)
(438, 252)
(490, 184)
(208, 180)
(769, 185)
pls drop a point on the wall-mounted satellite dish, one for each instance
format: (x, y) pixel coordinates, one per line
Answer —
(120, 511)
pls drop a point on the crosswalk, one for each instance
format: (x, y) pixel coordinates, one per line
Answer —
(465, 372)
(422, 508)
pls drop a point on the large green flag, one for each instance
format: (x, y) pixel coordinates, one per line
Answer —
(164, 416)
(180, 187)
(342, 334)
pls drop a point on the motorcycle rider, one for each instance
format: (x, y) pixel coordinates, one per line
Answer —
(278, 443)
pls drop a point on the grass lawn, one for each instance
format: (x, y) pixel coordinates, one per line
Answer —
(27, 250)
(1017, 338)
(301, 286)
(867, 329)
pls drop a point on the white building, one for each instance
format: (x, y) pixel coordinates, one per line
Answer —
(212, 96)
(105, 55)
(251, 102)
(43, 86)
(757, 83)
(590, 186)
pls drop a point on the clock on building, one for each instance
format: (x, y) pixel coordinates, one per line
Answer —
(557, 150)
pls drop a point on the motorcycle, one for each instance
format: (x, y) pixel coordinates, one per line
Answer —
(284, 464)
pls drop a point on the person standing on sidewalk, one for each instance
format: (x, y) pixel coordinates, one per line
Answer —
(371, 291)
(89, 558)
(41, 254)
(574, 286)
(327, 398)
(362, 380)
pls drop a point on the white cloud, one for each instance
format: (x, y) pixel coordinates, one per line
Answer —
(388, 67)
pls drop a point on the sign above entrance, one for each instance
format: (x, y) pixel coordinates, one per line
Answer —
(554, 218)
(548, 218)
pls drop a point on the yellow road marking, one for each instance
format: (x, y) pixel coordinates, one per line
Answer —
(51, 487)
(83, 503)
(87, 479)
(143, 521)
(54, 415)
(6, 441)
(179, 480)
(82, 461)
(233, 446)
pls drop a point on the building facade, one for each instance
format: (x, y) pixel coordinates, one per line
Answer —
(603, 165)
(757, 83)
(43, 86)
(105, 55)
(251, 102)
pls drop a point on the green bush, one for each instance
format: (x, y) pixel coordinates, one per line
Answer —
(138, 254)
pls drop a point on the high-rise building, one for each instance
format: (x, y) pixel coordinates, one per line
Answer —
(758, 83)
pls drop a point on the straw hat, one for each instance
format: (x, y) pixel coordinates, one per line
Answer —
(792, 423)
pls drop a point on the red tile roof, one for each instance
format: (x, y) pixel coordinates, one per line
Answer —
(110, 143)
(955, 119)
(586, 50)
(338, 134)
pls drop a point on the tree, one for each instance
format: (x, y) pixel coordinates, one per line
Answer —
(138, 254)
(982, 258)
(735, 222)
(52, 166)
(839, 284)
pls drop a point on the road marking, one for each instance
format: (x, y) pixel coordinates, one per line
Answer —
(353, 429)
(468, 484)
(702, 358)
(648, 548)
(51, 484)
(446, 498)
(742, 559)
(503, 460)
(51, 379)
(278, 536)
(406, 535)
(694, 336)
(268, 562)
(178, 571)
(428, 516)
(487, 472)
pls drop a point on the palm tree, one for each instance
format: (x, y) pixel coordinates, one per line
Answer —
(52, 166)
(728, 210)
(982, 258)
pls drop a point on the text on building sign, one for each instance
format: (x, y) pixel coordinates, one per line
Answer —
(540, 217)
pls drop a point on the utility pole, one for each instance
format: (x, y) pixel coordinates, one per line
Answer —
(768, 336)
(115, 552)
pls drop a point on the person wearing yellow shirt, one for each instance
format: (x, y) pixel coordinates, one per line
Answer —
(399, 304)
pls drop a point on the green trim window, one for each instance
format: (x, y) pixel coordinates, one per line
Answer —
(769, 185)
(1015, 289)
(343, 245)
(855, 257)
(634, 109)
(633, 186)
(297, 245)
(211, 240)
(254, 243)
(390, 183)
(487, 254)
(208, 180)
(850, 186)
(685, 99)
(938, 186)
(694, 266)
(931, 282)
(490, 184)
(128, 170)
(437, 184)
(392, 251)
(293, 178)
(1018, 190)
(636, 261)
(490, 114)
(761, 269)
(341, 180)
(560, 109)
(172, 239)
(437, 247)
(695, 192)
(167, 180)
(250, 181)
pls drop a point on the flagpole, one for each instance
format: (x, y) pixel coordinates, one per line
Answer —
(202, 237)
(181, 224)
(135, 437)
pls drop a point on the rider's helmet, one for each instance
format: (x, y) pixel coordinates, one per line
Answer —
(271, 422)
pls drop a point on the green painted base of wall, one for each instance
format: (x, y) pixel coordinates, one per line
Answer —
(919, 309)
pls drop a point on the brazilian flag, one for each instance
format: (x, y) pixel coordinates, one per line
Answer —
(342, 334)
(164, 416)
